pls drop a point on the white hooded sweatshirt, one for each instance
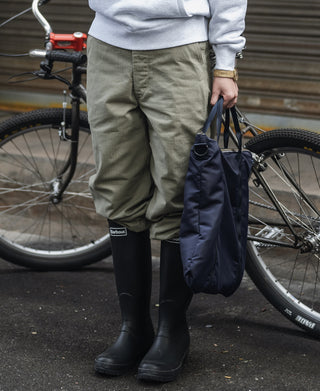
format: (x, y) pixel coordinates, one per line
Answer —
(158, 24)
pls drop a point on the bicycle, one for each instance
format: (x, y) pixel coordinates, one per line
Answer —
(48, 220)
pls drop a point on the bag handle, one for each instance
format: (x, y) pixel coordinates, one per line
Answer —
(227, 128)
(216, 111)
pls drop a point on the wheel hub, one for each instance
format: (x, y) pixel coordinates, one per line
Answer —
(56, 187)
(311, 243)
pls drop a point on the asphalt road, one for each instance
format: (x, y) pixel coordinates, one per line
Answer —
(53, 324)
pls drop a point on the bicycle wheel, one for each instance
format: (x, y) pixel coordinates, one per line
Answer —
(34, 231)
(284, 256)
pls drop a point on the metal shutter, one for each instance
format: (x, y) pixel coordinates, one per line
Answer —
(280, 72)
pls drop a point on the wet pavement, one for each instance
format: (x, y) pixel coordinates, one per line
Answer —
(53, 324)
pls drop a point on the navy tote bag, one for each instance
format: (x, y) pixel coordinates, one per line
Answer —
(214, 223)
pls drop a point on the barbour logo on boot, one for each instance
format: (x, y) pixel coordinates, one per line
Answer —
(118, 231)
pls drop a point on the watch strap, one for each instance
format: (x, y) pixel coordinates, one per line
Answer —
(224, 73)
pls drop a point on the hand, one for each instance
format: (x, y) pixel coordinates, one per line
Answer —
(227, 88)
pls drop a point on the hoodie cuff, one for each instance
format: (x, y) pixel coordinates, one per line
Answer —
(225, 57)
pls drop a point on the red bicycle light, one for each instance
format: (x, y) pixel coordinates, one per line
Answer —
(75, 41)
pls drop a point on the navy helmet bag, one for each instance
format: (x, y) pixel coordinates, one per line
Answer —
(214, 223)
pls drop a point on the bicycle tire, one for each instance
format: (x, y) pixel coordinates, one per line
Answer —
(287, 277)
(35, 232)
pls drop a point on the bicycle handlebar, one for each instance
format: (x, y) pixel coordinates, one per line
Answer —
(76, 58)
(75, 41)
(41, 19)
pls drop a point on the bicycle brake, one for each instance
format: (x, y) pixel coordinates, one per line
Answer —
(62, 130)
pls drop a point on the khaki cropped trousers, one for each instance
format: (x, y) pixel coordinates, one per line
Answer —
(145, 108)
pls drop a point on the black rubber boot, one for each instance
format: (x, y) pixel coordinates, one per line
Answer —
(170, 347)
(133, 272)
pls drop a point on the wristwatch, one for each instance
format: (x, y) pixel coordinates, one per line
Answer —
(228, 74)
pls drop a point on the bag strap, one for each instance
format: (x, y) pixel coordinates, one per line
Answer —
(227, 128)
(216, 111)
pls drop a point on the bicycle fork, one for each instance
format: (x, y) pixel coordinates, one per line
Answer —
(58, 184)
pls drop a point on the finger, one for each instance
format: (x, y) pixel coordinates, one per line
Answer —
(231, 103)
(232, 99)
(214, 98)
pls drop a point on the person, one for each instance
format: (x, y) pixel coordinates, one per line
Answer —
(150, 82)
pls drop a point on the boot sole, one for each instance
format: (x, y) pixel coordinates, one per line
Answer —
(113, 370)
(161, 375)
(116, 369)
